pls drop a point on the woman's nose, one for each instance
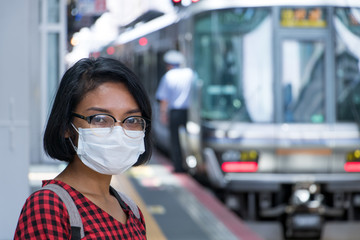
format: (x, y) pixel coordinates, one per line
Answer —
(118, 123)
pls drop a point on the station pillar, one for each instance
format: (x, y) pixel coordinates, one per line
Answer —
(14, 115)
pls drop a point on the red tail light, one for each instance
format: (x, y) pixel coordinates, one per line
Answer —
(143, 41)
(239, 166)
(352, 167)
(110, 50)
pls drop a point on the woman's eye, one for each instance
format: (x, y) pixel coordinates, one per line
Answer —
(134, 123)
(131, 120)
(98, 120)
(102, 121)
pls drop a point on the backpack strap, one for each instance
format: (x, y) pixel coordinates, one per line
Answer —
(123, 197)
(77, 229)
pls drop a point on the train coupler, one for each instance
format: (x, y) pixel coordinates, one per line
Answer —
(304, 214)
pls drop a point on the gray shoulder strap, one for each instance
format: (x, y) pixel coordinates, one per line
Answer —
(130, 203)
(75, 218)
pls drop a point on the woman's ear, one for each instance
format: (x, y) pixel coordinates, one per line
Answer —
(67, 134)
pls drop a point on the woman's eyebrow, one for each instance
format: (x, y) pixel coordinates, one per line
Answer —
(98, 109)
(134, 111)
(103, 110)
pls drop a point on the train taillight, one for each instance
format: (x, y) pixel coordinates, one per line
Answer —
(240, 161)
(352, 167)
(239, 166)
(184, 3)
(352, 163)
(110, 50)
(143, 41)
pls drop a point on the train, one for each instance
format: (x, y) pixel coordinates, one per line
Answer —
(275, 114)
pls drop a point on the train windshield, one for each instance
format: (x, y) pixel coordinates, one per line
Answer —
(303, 81)
(235, 64)
(235, 58)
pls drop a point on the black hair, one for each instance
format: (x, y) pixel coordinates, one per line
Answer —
(84, 76)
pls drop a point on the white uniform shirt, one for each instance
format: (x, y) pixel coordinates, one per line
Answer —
(175, 88)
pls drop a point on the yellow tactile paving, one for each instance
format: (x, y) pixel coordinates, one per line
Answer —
(122, 183)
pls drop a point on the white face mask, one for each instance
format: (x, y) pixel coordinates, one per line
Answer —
(111, 154)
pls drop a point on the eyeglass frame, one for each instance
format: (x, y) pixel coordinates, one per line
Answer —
(89, 118)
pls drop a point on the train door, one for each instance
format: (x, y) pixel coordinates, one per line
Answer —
(304, 67)
(304, 83)
(161, 129)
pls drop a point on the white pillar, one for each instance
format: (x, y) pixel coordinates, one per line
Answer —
(14, 111)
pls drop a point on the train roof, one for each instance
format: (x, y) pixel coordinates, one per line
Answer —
(167, 19)
(145, 28)
(215, 4)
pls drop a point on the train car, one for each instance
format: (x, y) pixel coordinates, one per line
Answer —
(275, 113)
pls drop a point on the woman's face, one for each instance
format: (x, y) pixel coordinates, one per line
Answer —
(110, 98)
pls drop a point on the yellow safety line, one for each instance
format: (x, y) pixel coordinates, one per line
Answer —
(122, 183)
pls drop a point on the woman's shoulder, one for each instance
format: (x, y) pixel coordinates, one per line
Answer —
(45, 200)
(43, 214)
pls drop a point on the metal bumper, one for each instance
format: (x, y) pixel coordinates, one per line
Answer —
(255, 182)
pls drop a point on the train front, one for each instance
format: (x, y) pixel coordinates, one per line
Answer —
(278, 88)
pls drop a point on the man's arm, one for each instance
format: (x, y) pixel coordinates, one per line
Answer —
(164, 112)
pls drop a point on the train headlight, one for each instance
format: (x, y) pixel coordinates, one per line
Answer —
(193, 128)
(191, 161)
(301, 196)
(231, 156)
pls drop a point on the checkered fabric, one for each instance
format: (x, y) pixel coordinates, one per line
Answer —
(44, 216)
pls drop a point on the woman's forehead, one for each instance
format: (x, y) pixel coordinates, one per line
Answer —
(109, 95)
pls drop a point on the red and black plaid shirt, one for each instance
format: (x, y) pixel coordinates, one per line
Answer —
(44, 216)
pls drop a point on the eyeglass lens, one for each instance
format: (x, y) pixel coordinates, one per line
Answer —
(102, 121)
(130, 124)
(134, 124)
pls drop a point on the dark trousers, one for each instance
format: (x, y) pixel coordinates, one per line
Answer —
(178, 117)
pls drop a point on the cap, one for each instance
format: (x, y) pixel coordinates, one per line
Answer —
(173, 57)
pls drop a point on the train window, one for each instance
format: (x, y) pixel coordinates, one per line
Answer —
(347, 26)
(303, 81)
(227, 44)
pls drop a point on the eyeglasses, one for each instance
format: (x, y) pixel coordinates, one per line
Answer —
(133, 126)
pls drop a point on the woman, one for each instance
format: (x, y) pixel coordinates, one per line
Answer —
(99, 124)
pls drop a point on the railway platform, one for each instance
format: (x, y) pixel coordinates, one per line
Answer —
(181, 207)
(175, 206)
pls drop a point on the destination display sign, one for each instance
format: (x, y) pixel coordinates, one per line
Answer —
(303, 17)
